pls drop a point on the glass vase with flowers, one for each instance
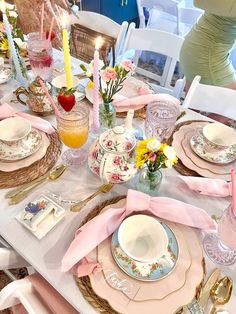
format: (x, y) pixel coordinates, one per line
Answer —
(111, 82)
(151, 156)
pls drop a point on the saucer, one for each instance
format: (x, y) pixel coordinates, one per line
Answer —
(26, 162)
(147, 271)
(28, 146)
(5, 75)
(222, 157)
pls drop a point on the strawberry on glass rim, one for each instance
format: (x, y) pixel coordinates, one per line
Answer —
(66, 98)
(53, 35)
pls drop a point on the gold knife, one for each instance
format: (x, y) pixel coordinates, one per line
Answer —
(205, 294)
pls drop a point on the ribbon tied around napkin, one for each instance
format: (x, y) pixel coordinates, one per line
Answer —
(6, 111)
(89, 236)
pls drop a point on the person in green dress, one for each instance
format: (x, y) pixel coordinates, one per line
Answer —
(207, 46)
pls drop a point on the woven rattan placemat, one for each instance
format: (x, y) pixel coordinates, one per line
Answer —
(84, 284)
(37, 169)
(180, 167)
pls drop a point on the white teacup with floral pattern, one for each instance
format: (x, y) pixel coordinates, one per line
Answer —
(218, 137)
(14, 130)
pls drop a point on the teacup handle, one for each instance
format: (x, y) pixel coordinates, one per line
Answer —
(21, 90)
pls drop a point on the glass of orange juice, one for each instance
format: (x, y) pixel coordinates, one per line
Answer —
(73, 128)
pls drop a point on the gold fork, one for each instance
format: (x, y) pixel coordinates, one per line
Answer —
(102, 189)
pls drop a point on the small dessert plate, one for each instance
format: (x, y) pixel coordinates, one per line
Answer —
(41, 215)
(225, 156)
(147, 271)
(5, 75)
(27, 147)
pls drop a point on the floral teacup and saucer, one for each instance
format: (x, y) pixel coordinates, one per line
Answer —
(17, 139)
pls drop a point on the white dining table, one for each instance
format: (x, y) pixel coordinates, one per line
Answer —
(45, 255)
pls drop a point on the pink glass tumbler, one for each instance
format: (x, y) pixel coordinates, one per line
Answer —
(40, 56)
(221, 247)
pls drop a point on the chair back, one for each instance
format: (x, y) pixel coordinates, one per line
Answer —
(87, 26)
(215, 99)
(160, 42)
(186, 18)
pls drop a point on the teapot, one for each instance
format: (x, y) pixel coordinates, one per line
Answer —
(111, 155)
(36, 97)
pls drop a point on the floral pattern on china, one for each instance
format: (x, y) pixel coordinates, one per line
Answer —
(225, 156)
(27, 147)
(111, 156)
(147, 271)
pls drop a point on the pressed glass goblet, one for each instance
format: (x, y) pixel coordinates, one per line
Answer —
(73, 128)
(160, 119)
(221, 247)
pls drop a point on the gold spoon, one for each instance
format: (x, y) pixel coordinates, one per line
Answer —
(23, 193)
(221, 292)
(52, 172)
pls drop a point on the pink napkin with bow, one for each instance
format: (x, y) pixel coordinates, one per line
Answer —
(124, 104)
(211, 187)
(102, 226)
(6, 111)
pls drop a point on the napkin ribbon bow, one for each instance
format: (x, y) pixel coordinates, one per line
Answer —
(102, 226)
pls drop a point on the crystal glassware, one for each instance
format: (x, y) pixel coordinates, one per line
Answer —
(40, 56)
(160, 119)
(221, 247)
(73, 128)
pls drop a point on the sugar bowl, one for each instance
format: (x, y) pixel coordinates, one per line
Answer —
(111, 155)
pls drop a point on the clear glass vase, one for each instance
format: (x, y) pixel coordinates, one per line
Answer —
(107, 115)
(149, 182)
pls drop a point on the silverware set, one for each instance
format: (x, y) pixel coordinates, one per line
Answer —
(18, 194)
(217, 290)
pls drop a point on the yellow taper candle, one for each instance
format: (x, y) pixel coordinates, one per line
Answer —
(67, 64)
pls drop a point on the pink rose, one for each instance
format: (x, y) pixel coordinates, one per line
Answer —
(95, 154)
(109, 143)
(128, 146)
(108, 74)
(2, 28)
(152, 156)
(96, 170)
(117, 160)
(128, 66)
(115, 176)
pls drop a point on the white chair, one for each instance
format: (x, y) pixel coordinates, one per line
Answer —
(186, 18)
(162, 14)
(159, 42)
(22, 291)
(104, 25)
(210, 98)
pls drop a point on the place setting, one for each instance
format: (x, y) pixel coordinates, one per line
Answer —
(88, 156)
(207, 148)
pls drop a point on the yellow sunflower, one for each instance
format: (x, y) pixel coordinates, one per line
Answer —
(4, 46)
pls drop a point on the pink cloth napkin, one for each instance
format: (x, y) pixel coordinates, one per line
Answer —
(124, 104)
(211, 187)
(102, 226)
(6, 111)
(49, 296)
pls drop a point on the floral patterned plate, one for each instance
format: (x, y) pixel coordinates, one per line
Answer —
(147, 271)
(222, 157)
(27, 147)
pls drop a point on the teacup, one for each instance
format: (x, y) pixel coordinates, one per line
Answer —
(143, 238)
(218, 137)
(60, 81)
(14, 130)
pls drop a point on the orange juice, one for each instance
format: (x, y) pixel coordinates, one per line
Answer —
(74, 138)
